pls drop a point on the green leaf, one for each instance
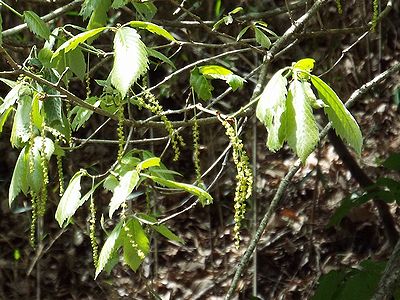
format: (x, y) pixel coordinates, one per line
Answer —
(53, 110)
(342, 121)
(109, 248)
(200, 84)
(148, 163)
(4, 117)
(163, 230)
(160, 56)
(130, 59)
(242, 32)
(37, 118)
(305, 64)
(126, 185)
(271, 107)
(35, 178)
(329, 285)
(110, 183)
(19, 181)
(20, 130)
(13, 96)
(392, 162)
(77, 63)
(83, 114)
(146, 9)
(301, 130)
(1, 30)
(136, 244)
(36, 24)
(74, 42)
(153, 28)
(70, 201)
(204, 197)
(261, 38)
(236, 10)
(119, 3)
(88, 7)
(218, 72)
(99, 16)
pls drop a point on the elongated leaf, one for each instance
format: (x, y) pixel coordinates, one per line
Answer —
(35, 178)
(136, 244)
(204, 197)
(83, 114)
(74, 42)
(99, 16)
(130, 59)
(4, 117)
(270, 107)
(163, 230)
(88, 7)
(13, 96)
(218, 72)
(146, 10)
(242, 32)
(342, 121)
(20, 131)
(19, 180)
(160, 56)
(261, 38)
(76, 62)
(302, 134)
(110, 246)
(148, 163)
(200, 84)
(70, 201)
(123, 189)
(36, 24)
(153, 28)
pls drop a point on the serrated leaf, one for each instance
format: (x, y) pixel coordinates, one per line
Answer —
(270, 108)
(12, 96)
(163, 230)
(110, 183)
(130, 59)
(200, 85)
(126, 185)
(153, 28)
(19, 180)
(342, 121)
(99, 16)
(302, 133)
(88, 7)
(148, 163)
(136, 244)
(36, 24)
(70, 200)
(204, 197)
(146, 9)
(109, 247)
(261, 38)
(74, 42)
(20, 130)
(160, 56)
(53, 111)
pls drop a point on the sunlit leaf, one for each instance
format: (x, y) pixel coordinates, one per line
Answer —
(109, 247)
(204, 197)
(130, 59)
(148, 163)
(301, 129)
(126, 185)
(342, 121)
(153, 28)
(70, 201)
(200, 84)
(270, 108)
